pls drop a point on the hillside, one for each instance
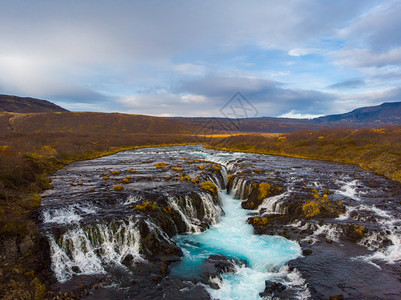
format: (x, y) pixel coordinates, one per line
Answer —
(57, 119)
(27, 105)
(90, 123)
(371, 116)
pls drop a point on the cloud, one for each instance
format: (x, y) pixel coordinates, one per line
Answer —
(212, 92)
(364, 58)
(297, 52)
(291, 114)
(348, 84)
(377, 29)
(181, 57)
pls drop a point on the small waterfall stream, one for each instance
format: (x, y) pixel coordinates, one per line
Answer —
(234, 238)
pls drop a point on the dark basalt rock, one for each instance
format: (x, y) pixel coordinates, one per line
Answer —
(258, 192)
(215, 265)
(272, 289)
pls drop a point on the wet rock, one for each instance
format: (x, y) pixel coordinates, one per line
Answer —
(272, 289)
(306, 252)
(127, 261)
(76, 269)
(215, 265)
(338, 297)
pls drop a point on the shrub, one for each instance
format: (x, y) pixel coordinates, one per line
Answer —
(118, 187)
(160, 165)
(177, 169)
(264, 190)
(210, 186)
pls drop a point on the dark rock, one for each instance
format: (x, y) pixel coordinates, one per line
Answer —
(215, 265)
(306, 252)
(127, 261)
(338, 297)
(272, 289)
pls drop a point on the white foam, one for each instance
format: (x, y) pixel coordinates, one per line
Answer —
(67, 215)
(349, 189)
(90, 248)
(272, 205)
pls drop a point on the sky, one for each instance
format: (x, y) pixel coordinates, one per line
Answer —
(293, 58)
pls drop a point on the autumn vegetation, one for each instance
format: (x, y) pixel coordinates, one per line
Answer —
(32, 146)
(378, 150)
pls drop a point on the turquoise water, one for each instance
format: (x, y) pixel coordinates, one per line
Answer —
(233, 237)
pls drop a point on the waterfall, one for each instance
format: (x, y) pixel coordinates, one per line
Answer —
(86, 250)
(240, 188)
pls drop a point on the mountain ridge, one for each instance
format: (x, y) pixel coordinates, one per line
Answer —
(388, 113)
(16, 104)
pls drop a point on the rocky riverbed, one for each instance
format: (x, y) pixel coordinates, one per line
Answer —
(113, 226)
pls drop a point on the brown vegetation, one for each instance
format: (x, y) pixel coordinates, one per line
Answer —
(378, 150)
(32, 146)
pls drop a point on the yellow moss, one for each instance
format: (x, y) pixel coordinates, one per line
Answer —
(161, 165)
(210, 186)
(359, 230)
(132, 171)
(201, 167)
(147, 205)
(264, 190)
(115, 172)
(118, 187)
(106, 177)
(195, 180)
(311, 209)
(177, 169)
(125, 180)
(128, 177)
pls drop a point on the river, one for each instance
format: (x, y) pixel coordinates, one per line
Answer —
(139, 224)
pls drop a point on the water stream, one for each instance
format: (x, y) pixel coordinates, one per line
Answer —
(131, 238)
(234, 238)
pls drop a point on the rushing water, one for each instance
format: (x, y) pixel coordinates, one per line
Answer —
(94, 230)
(234, 238)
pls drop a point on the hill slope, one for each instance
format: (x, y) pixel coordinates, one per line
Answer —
(372, 116)
(27, 105)
(384, 114)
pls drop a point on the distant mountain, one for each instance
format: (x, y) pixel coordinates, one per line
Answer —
(372, 116)
(54, 118)
(27, 105)
(384, 114)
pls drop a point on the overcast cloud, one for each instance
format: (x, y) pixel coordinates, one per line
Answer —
(188, 58)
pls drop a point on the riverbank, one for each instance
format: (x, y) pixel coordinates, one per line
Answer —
(26, 161)
(377, 150)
